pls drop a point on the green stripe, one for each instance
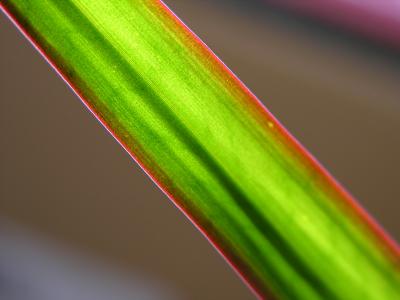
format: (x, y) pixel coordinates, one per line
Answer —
(208, 143)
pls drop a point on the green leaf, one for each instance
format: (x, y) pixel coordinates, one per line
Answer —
(261, 199)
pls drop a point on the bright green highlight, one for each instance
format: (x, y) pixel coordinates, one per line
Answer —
(224, 159)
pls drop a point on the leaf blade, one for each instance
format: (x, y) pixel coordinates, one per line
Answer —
(213, 148)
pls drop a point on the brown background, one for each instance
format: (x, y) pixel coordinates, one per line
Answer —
(63, 175)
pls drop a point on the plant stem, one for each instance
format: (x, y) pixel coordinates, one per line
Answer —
(274, 213)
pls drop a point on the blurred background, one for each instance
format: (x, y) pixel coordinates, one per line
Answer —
(78, 218)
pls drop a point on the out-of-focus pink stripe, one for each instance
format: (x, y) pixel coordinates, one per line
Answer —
(377, 19)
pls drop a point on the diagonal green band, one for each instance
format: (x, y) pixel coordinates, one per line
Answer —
(278, 217)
